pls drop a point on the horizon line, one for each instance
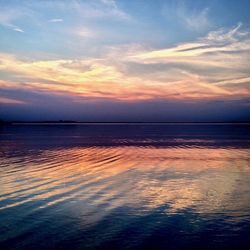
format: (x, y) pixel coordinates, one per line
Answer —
(62, 122)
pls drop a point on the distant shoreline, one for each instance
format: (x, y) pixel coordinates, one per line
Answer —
(121, 123)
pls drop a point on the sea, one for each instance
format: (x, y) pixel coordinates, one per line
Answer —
(125, 186)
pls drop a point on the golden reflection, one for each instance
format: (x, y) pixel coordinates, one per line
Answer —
(203, 179)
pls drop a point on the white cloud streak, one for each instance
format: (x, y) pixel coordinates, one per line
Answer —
(18, 30)
(55, 20)
(8, 17)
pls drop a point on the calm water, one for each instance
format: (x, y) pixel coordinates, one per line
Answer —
(125, 187)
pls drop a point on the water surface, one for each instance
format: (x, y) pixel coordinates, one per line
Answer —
(125, 187)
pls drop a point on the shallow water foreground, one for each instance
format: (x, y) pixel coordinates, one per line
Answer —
(125, 186)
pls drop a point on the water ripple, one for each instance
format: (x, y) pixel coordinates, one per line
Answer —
(145, 185)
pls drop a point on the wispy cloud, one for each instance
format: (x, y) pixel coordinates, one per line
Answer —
(101, 9)
(212, 67)
(9, 17)
(55, 20)
(222, 35)
(192, 17)
(18, 30)
(221, 56)
(215, 43)
(198, 20)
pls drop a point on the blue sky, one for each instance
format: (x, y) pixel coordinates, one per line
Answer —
(125, 60)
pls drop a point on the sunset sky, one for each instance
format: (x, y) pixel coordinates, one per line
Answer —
(125, 60)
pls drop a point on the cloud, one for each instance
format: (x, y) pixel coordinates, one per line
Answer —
(18, 30)
(55, 20)
(86, 9)
(198, 20)
(214, 67)
(192, 17)
(8, 17)
(98, 9)
(223, 35)
(215, 43)
(221, 56)
(114, 9)
(12, 15)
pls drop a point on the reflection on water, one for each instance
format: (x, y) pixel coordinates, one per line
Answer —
(125, 187)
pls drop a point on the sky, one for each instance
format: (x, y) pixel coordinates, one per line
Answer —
(125, 60)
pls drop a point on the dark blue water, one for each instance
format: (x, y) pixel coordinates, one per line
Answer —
(125, 187)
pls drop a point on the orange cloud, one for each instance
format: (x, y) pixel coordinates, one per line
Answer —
(207, 69)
